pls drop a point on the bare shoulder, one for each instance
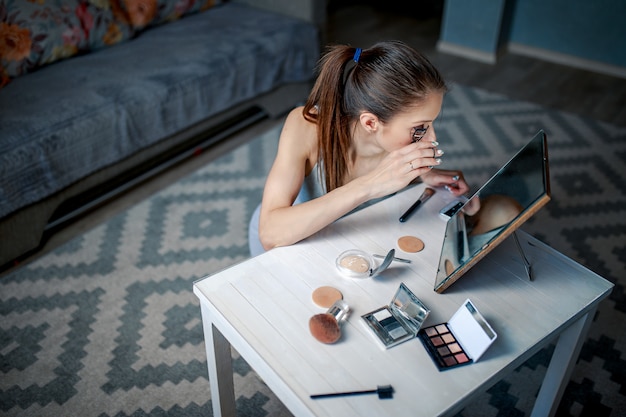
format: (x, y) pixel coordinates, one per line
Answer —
(296, 157)
(299, 135)
(295, 121)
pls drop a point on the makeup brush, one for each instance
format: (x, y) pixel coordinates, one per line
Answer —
(324, 327)
(384, 392)
(428, 192)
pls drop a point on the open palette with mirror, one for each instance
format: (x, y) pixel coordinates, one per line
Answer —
(398, 322)
(480, 223)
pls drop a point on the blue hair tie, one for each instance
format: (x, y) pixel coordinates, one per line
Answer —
(357, 55)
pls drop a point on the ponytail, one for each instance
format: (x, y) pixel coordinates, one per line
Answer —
(324, 107)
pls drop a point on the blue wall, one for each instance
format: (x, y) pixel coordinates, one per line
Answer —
(473, 24)
(593, 30)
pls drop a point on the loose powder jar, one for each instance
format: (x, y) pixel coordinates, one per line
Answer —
(355, 263)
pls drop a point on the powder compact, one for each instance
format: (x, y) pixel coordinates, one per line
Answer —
(460, 341)
(355, 263)
(399, 321)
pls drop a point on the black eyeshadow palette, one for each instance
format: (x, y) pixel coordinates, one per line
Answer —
(460, 341)
(443, 347)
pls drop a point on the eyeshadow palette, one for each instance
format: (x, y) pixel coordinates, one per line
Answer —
(443, 347)
(399, 321)
(461, 341)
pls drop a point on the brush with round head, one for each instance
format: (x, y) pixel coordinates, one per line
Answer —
(324, 327)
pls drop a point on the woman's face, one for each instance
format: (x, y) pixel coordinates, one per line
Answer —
(416, 123)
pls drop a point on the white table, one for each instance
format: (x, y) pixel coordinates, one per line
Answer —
(262, 306)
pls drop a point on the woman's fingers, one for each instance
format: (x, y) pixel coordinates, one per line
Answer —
(452, 180)
(424, 154)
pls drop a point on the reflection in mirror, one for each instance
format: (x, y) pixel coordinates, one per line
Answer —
(516, 192)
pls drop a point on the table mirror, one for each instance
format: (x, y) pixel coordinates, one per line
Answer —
(509, 198)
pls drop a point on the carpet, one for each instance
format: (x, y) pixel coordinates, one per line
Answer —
(107, 324)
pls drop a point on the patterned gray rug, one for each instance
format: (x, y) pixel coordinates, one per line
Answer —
(107, 324)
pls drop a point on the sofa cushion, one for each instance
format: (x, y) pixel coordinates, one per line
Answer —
(70, 119)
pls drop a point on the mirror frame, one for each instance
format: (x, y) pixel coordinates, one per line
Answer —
(511, 227)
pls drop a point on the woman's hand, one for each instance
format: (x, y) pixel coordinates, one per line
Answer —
(452, 180)
(401, 167)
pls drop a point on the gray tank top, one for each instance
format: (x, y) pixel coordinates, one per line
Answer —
(313, 186)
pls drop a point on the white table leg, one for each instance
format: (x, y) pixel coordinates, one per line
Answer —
(561, 365)
(219, 362)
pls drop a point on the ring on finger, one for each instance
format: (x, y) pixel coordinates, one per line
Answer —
(411, 165)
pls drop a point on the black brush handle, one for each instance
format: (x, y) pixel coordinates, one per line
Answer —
(410, 211)
(343, 394)
(385, 391)
(428, 192)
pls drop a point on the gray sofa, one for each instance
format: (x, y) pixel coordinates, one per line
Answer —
(75, 132)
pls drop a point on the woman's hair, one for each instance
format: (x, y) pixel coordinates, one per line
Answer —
(385, 80)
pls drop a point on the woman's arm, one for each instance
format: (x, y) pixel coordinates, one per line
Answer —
(281, 223)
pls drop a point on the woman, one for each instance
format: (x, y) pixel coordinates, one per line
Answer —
(365, 132)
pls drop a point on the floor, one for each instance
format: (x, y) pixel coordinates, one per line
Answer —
(362, 23)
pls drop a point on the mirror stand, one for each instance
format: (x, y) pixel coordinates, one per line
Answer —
(527, 265)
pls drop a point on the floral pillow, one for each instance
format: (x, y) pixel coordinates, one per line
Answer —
(34, 33)
(38, 32)
(144, 13)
